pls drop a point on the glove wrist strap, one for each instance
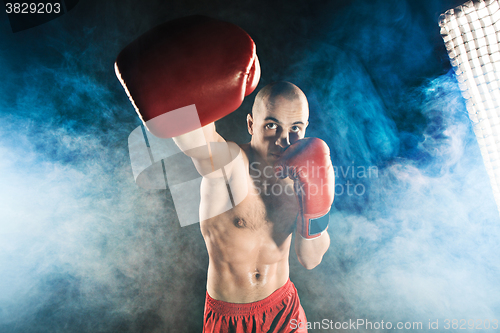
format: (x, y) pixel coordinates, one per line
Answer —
(311, 228)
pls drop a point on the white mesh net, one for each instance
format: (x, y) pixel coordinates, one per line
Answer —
(471, 33)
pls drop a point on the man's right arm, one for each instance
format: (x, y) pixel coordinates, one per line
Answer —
(222, 166)
(188, 73)
(196, 144)
(209, 151)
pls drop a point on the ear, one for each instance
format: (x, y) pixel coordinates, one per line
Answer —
(250, 124)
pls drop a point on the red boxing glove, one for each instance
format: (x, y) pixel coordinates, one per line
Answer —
(307, 162)
(194, 60)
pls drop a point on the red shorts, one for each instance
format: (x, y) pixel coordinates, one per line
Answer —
(280, 312)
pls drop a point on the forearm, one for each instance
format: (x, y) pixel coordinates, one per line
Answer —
(310, 251)
(195, 144)
(208, 150)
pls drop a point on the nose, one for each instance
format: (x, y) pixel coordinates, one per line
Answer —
(283, 140)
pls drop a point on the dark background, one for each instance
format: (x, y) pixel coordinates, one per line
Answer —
(84, 249)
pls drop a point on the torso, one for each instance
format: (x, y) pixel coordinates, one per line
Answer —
(249, 245)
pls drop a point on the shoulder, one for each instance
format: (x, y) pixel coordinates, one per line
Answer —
(246, 152)
(245, 147)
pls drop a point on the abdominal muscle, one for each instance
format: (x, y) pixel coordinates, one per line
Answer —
(245, 262)
(245, 282)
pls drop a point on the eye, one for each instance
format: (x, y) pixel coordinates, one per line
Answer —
(271, 126)
(295, 129)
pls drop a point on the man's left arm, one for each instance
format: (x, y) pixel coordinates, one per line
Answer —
(307, 162)
(310, 251)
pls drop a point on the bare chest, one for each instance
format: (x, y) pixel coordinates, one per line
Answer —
(270, 204)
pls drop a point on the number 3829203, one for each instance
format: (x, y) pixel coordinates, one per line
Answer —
(33, 8)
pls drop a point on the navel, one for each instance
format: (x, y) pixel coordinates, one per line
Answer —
(256, 277)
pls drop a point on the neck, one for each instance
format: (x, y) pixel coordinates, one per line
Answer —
(257, 157)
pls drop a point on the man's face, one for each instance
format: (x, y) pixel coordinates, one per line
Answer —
(277, 125)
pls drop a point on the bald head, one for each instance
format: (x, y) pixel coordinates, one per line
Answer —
(279, 118)
(269, 96)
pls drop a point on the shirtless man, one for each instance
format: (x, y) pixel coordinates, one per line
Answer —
(275, 189)
(249, 245)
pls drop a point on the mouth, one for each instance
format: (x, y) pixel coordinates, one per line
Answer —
(275, 155)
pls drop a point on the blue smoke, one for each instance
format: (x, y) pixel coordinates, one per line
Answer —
(425, 245)
(83, 249)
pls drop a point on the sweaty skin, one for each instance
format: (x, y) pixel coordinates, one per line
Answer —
(249, 245)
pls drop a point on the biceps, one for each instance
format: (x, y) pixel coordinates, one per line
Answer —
(220, 160)
(199, 145)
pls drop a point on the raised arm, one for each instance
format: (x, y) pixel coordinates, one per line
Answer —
(181, 77)
(308, 163)
(200, 144)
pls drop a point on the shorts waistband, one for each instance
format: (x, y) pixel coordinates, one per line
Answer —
(228, 308)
